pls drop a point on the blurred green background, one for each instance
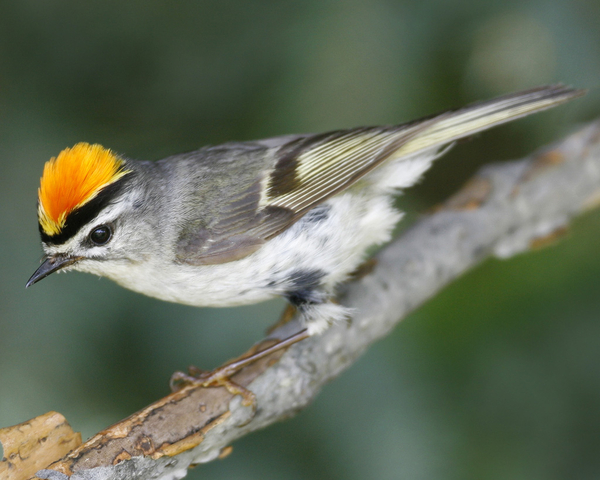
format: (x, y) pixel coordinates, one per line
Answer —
(496, 378)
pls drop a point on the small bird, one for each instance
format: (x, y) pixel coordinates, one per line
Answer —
(239, 223)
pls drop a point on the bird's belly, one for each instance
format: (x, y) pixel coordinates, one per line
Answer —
(201, 286)
(324, 247)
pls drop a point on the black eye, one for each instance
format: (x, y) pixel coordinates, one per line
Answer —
(101, 235)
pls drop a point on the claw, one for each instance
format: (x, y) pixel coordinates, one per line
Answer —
(180, 380)
(221, 377)
(216, 378)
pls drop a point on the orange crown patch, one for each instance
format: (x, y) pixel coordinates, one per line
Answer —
(72, 179)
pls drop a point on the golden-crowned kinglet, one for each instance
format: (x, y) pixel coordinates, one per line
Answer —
(239, 223)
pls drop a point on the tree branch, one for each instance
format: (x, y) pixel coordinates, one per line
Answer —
(506, 209)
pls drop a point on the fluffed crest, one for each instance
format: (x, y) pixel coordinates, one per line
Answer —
(72, 179)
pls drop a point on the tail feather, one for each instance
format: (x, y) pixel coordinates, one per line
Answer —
(453, 125)
(311, 168)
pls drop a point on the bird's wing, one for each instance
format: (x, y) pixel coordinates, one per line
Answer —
(308, 169)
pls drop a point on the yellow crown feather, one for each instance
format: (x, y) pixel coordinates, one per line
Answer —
(72, 179)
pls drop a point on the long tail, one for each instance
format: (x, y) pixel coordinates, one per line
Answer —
(453, 125)
(312, 168)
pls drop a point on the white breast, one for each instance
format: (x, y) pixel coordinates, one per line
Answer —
(336, 244)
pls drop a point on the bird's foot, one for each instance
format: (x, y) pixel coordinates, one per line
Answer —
(221, 377)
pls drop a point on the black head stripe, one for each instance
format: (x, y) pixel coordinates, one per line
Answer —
(82, 215)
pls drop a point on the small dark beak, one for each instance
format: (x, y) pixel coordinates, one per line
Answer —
(51, 264)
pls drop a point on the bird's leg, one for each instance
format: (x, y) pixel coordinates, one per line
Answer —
(288, 313)
(363, 269)
(197, 376)
(221, 377)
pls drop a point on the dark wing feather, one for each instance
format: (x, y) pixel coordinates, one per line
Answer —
(308, 169)
(252, 215)
(237, 232)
